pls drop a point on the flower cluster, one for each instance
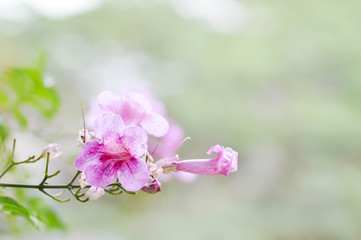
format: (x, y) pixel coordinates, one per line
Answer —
(128, 132)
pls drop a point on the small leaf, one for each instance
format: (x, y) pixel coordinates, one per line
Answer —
(25, 86)
(10, 206)
(43, 212)
(4, 132)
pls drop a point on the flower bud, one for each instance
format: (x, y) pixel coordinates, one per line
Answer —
(52, 149)
(94, 193)
(84, 136)
(82, 181)
(152, 187)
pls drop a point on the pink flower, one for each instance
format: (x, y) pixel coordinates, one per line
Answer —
(135, 110)
(118, 155)
(152, 187)
(167, 145)
(224, 163)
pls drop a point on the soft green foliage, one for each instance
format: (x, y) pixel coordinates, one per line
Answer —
(4, 132)
(21, 86)
(12, 207)
(45, 214)
(37, 211)
(25, 86)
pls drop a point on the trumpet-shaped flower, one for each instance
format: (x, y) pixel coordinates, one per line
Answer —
(135, 110)
(117, 156)
(224, 163)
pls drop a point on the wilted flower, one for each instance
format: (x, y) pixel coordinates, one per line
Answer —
(152, 187)
(224, 163)
(118, 155)
(52, 149)
(94, 193)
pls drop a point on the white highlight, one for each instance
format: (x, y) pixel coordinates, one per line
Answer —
(19, 9)
(225, 16)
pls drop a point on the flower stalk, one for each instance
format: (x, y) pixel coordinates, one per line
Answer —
(74, 189)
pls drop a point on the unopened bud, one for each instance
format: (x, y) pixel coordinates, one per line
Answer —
(94, 193)
(82, 181)
(152, 187)
(52, 149)
(84, 136)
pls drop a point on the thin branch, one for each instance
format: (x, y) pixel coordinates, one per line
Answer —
(11, 162)
(7, 169)
(73, 179)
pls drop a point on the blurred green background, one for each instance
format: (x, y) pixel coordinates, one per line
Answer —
(278, 81)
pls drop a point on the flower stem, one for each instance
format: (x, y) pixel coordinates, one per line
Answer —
(12, 185)
(114, 188)
(7, 169)
(12, 163)
(73, 179)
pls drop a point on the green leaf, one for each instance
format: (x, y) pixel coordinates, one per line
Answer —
(10, 206)
(25, 86)
(4, 133)
(45, 214)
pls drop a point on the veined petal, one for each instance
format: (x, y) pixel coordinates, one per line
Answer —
(155, 124)
(111, 128)
(102, 173)
(90, 154)
(133, 174)
(135, 141)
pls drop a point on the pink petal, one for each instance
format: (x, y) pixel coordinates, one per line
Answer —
(98, 166)
(102, 173)
(233, 155)
(135, 141)
(111, 128)
(109, 102)
(167, 145)
(155, 124)
(224, 163)
(91, 153)
(134, 107)
(93, 113)
(217, 148)
(133, 174)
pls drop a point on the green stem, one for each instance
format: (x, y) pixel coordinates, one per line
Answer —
(7, 169)
(62, 186)
(12, 163)
(11, 185)
(73, 179)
